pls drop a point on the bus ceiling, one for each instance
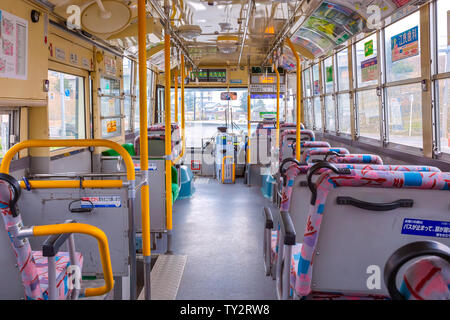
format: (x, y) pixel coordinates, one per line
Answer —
(230, 32)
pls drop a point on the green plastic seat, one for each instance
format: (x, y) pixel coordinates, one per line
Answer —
(175, 186)
(113, 153)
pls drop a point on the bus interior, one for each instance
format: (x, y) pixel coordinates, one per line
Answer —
(225, 150)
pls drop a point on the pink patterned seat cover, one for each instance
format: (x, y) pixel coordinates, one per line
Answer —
(357, 178)
(62, 263)
(31, 264)
(162, 127)
(357, 158)
(290, 132)
(427, 279)
(321, 152)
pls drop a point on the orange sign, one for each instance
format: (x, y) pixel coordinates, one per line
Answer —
(268, 79)
(111, 126)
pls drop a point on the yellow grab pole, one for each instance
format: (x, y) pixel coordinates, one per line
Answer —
(102, 247)
(6, 162)
(145, 207)
(299, 100)
(223, 169)
(278, 109)
(249, 106)
(168, 140)
(64, 184)
(175, 75)
(183, 142)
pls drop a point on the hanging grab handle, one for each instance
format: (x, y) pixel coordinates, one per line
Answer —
(371, 206)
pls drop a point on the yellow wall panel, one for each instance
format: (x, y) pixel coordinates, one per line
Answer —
(32, 88)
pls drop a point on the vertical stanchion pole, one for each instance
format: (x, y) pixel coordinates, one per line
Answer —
(183, 137)
(277, 139)
(168, 132)
(299, 96)
(145, 205)
(175, 75)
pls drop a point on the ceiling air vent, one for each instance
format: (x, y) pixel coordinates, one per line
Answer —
(189, 32)
(227, 44)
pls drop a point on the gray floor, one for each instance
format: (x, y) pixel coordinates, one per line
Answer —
(220, 230)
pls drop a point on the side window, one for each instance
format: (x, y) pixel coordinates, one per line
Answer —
(66, 106)
(9, 130)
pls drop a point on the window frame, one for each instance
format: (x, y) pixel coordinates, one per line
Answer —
(62, 68)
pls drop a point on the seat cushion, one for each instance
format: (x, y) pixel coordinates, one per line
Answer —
(62, 263)
(427, 279)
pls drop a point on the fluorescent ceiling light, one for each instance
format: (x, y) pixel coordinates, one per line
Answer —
(197, 6)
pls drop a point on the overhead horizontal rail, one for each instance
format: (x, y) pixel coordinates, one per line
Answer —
(165, 20)
(247, 19)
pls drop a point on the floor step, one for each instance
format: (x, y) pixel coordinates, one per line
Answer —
(166, 277)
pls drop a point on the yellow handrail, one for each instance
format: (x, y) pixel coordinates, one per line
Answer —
(299, 98)
(183, 121)
(277, 140)
(168, 132)
(6, 162)
(85, 184)
(142, 45)
(223, 169)
(249, 105)
(103, 247)
(175, 75)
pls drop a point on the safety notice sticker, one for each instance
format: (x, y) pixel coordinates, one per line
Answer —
(101, 202)
(426, 228)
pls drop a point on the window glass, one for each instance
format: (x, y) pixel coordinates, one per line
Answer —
(110, 106)
(444, 114)
(4, 133)
(316, 80)
(317, 113)
(205, 111)
(443, 16)
(344, 113)
(308, 114)
(307, 83)
(368, 114)
(137, 104)
(127, 112)
(127, 75)
(403, 49)
(328, 73)
(330, 113)
(342, 70)
(404, 106)
(127, 86)
(66, 106)
(367, 61)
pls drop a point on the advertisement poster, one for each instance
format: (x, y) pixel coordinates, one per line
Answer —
(13, 46)
(400, 3)
(329, 74)
(405, 44)
(369, 70)
(316, 87)
(448, 28)
(368, 48)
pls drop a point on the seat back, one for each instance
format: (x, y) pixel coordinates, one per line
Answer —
(298, 195)
(288, 137)
(345, 247)
(10, 192)
(319, 153)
